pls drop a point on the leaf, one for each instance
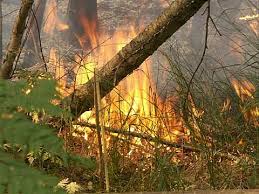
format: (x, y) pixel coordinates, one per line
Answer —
(18, 130)
(24, 179)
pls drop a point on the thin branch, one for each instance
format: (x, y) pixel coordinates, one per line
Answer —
(39, 37)
(202, 57)
(215, 26)
(99, 136)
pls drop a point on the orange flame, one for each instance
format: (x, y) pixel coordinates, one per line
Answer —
(56, 65)
(244, 89)
(133, 100)
(52, 20)
(90, 30)
(252, 21)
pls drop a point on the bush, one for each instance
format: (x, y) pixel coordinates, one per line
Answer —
(25, 107)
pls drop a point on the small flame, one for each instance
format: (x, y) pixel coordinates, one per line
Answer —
(90, 31)
(52, 20)
(226, 105)
(252, 21)
(57, 66)
(244, 88)
(249, 17)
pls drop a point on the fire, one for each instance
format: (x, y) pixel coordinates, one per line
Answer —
(84, 70)
(249, 17)
(57, 67)
(90, 31)
(246, 91)
(52, 20)
(133, 103)
(252, 21)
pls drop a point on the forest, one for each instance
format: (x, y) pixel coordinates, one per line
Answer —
(119, 96)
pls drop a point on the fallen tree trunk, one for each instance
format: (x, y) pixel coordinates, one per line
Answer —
(142, 136)
(14, 45)
(135, 53)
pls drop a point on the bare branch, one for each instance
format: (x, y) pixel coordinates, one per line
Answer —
(141, 136)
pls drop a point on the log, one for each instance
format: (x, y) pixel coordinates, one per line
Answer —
(141, 136)
(134, 53)
(14, 45)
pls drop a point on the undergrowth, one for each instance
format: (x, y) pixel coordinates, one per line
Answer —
(26, 142)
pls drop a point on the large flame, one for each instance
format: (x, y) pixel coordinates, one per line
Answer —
(134, 103)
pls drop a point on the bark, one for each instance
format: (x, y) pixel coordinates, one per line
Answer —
(33, 45)
(16, 38)
(135, 53)
(83, 23)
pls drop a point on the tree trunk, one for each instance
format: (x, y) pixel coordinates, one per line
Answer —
(33, 46)
(83, 23)
(135, 53)
(14, 45)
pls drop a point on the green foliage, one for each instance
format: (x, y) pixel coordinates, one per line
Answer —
(166, 175)
(17, 130)
(16, 127)
(17, 177)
